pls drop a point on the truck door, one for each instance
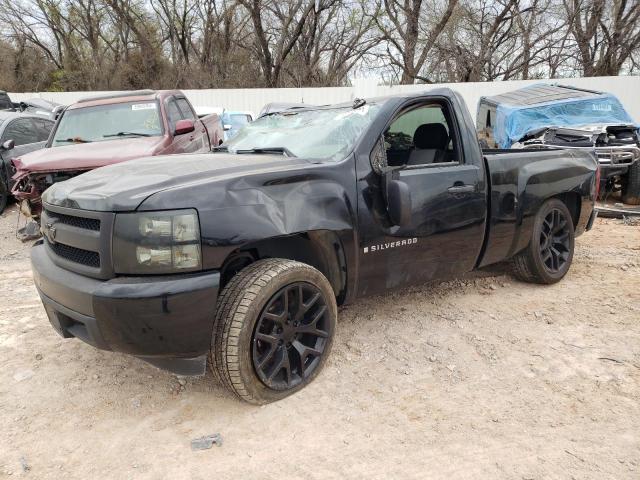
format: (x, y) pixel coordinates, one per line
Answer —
(448, 204)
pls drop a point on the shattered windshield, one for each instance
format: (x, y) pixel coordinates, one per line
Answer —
(108, 122)
(324, 134)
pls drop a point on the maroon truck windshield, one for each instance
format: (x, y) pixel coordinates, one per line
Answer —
(109, 122)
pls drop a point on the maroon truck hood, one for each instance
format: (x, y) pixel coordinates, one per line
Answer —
(86, 156)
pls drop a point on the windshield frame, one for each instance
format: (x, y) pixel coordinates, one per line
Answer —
(346, 106)
(51, 141)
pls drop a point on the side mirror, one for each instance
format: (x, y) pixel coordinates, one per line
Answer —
(184, 126)
(398, 202)
(226, 127)
(8, 145)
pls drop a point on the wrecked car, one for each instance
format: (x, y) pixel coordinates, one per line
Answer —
(20, 133)
(239, 258)
(110, 129)
(558, 116)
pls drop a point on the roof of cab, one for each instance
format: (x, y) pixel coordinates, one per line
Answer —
(123, 97)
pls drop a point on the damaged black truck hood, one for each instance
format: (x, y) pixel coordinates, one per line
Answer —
(125, 186)
(240, 198)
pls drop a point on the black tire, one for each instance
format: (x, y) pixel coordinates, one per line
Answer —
(252, 337)
(548, 256)
(631, 185)
(4, 195)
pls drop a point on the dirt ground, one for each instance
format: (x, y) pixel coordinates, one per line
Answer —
(481, 377)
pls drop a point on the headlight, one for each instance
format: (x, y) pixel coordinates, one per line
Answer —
(157, 242)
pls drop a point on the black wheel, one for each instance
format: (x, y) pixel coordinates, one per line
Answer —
(273, 329)
(548, 256)
(631, 185)
(4, 194)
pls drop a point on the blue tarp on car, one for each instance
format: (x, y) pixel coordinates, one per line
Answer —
(514, 121)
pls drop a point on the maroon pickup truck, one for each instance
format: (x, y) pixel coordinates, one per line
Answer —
(110, 129)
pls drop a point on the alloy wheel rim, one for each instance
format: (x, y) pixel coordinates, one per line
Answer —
(554, 241)
(290, 336)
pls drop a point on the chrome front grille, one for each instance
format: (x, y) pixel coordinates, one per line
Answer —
(618, 155)
(79, 240)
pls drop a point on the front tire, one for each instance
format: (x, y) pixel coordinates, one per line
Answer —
(273, 329)
(549, 254)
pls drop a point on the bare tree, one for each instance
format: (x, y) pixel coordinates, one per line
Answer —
(224, 60)
(125, 44)
(607, 33)
(277, 27)
(332, 42)
(409, 30)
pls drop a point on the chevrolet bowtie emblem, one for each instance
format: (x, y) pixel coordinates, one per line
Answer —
(49, 231)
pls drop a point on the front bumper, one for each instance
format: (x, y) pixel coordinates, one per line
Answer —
(165, 320)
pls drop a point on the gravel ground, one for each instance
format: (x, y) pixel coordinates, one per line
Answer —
(481, 377)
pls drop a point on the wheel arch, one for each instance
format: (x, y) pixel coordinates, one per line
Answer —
(321, 249)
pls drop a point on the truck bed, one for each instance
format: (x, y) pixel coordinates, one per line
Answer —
(519, 180)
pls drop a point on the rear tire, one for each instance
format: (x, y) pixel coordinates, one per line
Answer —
(631, 185)
(548, 256)
(273, 329)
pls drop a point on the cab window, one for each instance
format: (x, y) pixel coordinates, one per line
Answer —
(421, 135)
(173, 114)
(185, 109)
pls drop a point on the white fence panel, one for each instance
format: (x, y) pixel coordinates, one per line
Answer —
(627, 89)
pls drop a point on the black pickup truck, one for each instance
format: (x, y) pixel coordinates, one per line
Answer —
(240, 257)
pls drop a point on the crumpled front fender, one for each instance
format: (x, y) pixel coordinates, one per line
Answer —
(237, 211)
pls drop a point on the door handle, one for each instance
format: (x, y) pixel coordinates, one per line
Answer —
(462, 189)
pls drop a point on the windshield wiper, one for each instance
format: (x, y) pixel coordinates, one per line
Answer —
(220, 148)
(281, 150)
(126, 134)
(74, 140)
